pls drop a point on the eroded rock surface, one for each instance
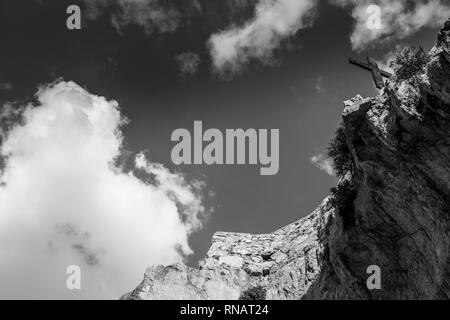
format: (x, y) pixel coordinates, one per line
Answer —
(400, 143)
(285, 263)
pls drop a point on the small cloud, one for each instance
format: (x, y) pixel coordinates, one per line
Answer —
(319, 86)
(274, 21)
(188, 63)
(6, 86)
(151, 15)
(324, 163)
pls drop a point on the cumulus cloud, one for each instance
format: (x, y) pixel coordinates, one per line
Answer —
(64, 201)
(188, 63)
(151, 15)
(324, 163)
(399, 19)
(273, 21)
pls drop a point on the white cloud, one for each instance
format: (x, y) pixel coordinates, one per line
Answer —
(63, 201)
(399, 19)
(324, 163)
(188, 63)
(274, 20)
(151, 15)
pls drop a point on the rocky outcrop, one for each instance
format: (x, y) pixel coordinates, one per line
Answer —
(285, 262)
(400, 218)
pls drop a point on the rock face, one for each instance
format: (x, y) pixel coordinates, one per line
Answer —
(285, 262)
(400, 145)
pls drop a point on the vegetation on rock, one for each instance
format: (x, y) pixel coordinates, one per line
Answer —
(409, 62)
(344, 194)
(339, 152)
(255, 293)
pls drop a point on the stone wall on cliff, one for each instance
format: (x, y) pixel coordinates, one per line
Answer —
(400, 218)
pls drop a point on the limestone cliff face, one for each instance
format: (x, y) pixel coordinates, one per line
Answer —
(286, 262)
(400, 144)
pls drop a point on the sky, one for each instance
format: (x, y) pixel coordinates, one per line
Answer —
(99, 106)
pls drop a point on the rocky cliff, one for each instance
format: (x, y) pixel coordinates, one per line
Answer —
(399, 218)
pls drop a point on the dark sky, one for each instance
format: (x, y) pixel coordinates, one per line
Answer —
(140, 72)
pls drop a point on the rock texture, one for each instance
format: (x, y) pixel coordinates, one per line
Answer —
(400, 144)
(285, 262)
